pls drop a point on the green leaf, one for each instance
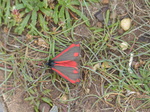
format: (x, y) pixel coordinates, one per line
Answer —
(80, 14)
(75, 2)
(20, 6)
(47, 100)
(45, 4)
(36, 8)
(27, 10)
(107, 17)
(0, 21)
(31, 91)
(61, 2)
(36, 109)
(84, 3)
(27, 5)
(20, 29)
(94, 0)
(61, 13)
(47, 12)
(34, 17)
(40, 4)
(55, 15)
(29, 98)
(1, 15)
(7, 14)
(46, 91)
(68, 18)
(25, 21)
(43, 23)
(24, 2)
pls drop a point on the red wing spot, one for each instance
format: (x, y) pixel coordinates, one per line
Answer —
(75, 71)
(76, 54)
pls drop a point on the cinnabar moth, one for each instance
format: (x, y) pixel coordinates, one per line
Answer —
(66, 63)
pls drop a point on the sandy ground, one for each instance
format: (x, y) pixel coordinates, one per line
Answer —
(15, 102)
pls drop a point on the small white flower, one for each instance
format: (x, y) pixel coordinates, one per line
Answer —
(14, 7)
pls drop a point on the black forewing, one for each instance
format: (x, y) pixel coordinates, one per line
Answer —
(68, 71)
(69, 54)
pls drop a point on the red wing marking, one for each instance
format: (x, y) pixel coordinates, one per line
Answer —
(67, 49)
(67, 78)
(76, 54)
(67, 63)
(75, 71)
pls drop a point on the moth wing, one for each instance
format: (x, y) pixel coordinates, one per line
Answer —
(72, 74)
(70, 53)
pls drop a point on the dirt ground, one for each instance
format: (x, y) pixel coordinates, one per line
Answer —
(87, 98)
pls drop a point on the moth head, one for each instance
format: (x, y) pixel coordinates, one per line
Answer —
(50, 63)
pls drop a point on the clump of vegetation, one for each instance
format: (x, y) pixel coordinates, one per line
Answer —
(37, 14)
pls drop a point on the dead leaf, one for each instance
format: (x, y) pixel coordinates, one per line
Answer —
(113, 15)
(64, 98)
(136, 65)
(96, 66)
(29, 37)
(6, 29)
(41, 42)
(99, 24)
(142, 62)
(105, 1)
(130, 92)
(124, 46)
(105, 64)
(35, 41)
(111, 46)
(54, 29)
(120, 31)
(87, 90)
